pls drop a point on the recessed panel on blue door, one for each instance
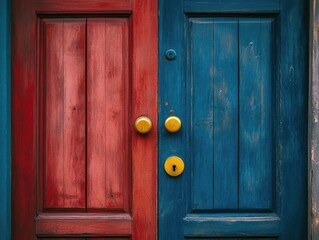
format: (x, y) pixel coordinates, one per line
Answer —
(231, 74)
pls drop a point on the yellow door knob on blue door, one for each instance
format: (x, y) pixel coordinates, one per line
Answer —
(173, 124)
(143, 125)
(174, 166)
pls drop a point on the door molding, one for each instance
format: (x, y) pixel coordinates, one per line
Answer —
(314, 123)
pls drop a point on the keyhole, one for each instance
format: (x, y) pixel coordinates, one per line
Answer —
(174, 168)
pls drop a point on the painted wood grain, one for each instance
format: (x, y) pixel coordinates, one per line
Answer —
(271, 177)
(172, 99)
(239, 225)
(93, 6)
(65, 114)
(293, 123)
(5, 121)
(108, 114)
(314, 123)
(33, 109)
(23, 118)
(144, 96)
(255, 115)
(69, 226)
(225, 114)
(233, 109)
(231, 6)
(202, 82)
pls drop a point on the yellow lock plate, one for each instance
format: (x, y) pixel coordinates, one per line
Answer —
(173, 124)
(143, 125)
(174, 166)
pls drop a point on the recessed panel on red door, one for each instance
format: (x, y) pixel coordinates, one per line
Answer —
(63, 113)
(85, 161)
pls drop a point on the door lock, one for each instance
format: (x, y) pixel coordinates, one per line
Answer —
(174, 166)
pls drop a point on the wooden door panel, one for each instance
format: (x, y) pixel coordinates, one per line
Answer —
(109, 161)
(63, 110)
(233, 107)
(78, 85)
(214, 113)
(65, 113)
(84, 114)
(233, 85)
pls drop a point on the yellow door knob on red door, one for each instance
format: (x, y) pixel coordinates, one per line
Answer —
(174, 166)
(173, 124)
(143, 125)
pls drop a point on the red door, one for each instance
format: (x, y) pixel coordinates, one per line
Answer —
(83, 71)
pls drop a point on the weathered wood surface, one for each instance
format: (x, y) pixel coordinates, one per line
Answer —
(247, 143)
(5, 122)
(75, 96)
(231, 5)
(108, 142)
(63, 92)
(314, 122)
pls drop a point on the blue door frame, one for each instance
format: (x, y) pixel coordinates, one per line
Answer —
(5, 122)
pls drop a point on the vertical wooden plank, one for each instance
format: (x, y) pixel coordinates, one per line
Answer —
(255, 138)
(108, 109)
(314, 123)
(53, 92)
(202, 65)
(65, 114)
(144, 95)
(23, 118)
(293, 112)
(225, 113)
(96, 82)
(172, 101)
(74, 113)
(5, 122)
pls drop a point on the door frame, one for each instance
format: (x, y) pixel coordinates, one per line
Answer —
(5, 122)
(143, 21)
(313, 114)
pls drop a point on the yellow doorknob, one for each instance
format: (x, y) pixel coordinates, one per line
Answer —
(173, 124)
(143, 125)
(174, 166)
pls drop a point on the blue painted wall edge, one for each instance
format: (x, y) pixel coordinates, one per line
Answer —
(5, 121)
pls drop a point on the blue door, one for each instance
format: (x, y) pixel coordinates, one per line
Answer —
(234, 73)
